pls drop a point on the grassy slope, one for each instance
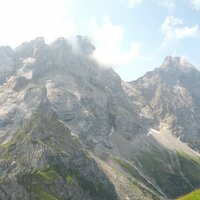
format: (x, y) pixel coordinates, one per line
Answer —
(176, 174)
(121, 174)
(195, 195)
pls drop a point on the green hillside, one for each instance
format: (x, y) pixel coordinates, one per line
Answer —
(191, 196)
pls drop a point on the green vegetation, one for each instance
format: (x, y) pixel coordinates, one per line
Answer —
(75, 141)
(143, 191)
(69, 180)
(163, 167)
(43, 130)
(195, 195)
(48, 174)
(71, 176)
(46, 196)
(94, 189)
(132, 171)
(129, 168)
(44, 127)
(188, 157)
(5, 156)
(126, 166)
(36, 182)
(5, 145)
(4, 151)
(191, 168)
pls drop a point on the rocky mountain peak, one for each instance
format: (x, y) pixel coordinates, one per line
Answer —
(6, 52)
(30, 49)
(176, 63)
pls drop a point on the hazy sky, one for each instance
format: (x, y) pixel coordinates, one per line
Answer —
(133, 36)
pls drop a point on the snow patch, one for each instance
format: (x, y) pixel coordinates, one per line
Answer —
(29, 60)
(165, 137)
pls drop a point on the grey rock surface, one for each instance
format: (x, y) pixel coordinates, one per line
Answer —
(43, 158)
(59, 106)
(173, 96)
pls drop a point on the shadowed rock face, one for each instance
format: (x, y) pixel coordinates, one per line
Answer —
(59, 107)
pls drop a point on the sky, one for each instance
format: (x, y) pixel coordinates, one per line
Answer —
(132, 36)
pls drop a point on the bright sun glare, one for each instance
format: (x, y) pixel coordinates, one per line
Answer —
(23, 20)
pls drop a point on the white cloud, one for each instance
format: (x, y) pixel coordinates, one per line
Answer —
(173, 29)
(169, 4)
(133, 3)
(187, 32)
(108, 40)
(23, 20)
(196, 4)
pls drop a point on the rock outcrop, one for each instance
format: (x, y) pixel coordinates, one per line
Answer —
(173, 96)
(70, 127)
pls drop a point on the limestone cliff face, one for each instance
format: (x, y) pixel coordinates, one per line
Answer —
(70, 128)
(40, 159)
(87, 97)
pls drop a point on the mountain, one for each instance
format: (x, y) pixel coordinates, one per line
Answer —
(70, 128)
(43, 161)
(173, 96)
